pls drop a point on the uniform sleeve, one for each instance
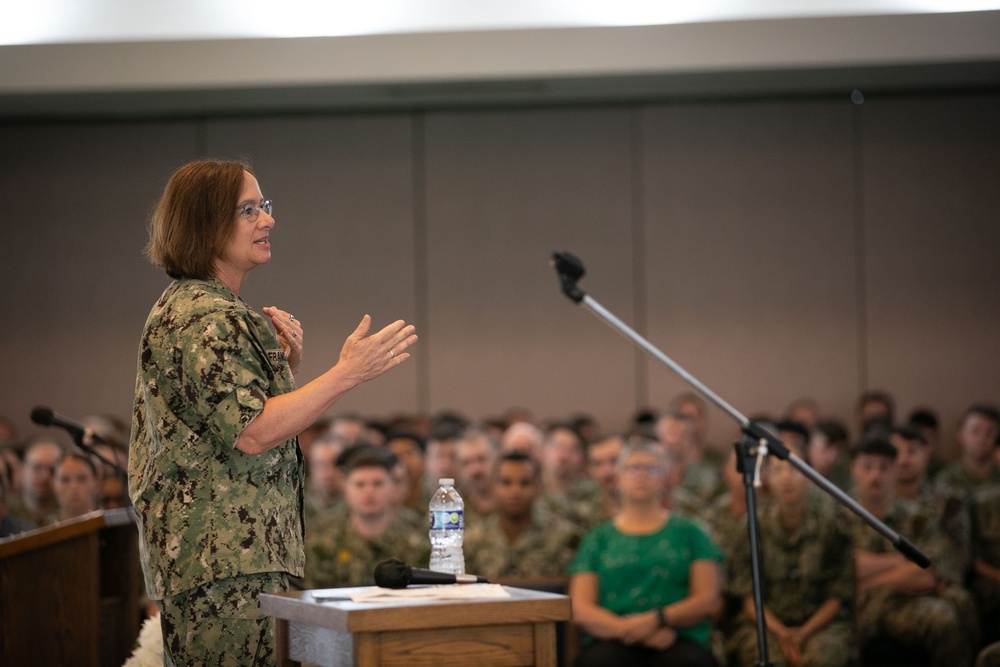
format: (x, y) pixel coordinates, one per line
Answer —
(224, 374)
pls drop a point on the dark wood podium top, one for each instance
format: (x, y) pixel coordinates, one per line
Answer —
(85, 524)
(523, 606)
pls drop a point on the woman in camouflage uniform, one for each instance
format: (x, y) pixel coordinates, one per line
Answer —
(215, 471)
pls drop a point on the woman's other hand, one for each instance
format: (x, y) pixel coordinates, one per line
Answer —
(289, 330)
(365, 357)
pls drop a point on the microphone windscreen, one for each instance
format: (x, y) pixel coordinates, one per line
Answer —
(42, 415)
(393, 573)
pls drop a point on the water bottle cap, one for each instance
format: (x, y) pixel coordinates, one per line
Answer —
(446, 481)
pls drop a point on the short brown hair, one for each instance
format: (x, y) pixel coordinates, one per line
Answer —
(194, 217)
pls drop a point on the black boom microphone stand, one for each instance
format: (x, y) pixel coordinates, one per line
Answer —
(752, 448)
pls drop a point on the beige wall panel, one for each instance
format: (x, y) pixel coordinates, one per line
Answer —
(75, 286)
(343, 241)
(750, 253)
(932, 193)
(505, 190)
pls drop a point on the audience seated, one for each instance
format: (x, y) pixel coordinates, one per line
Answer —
(645, 585)
(805, 411)
(876, 409)
(976, 466)
(347, 544)
(531, 495)
(75, 485)
(567, 491)
(934, 499)
(523, 436)
(12, 458)
(926, 422)
(440, 460)
(519, 540)
(602, 459)
(725, 519)
(111, 460)
(897, 599)
(828, 451)
(696, 479)
(37, 502)
(9, 524)
(476, 453)
(323, 477)
(806, 572)
(695, 408)
(410, 448)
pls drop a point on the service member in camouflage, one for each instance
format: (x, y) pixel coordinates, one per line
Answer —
(519, 540)
(37, 501)
(976, 437)
(323, 478)
(365, 529)
(932, 499)
(697, 476)
(567, 491)
(476, 454)
(897, 599)
(215, 472)
(806, 572)
(602, 459)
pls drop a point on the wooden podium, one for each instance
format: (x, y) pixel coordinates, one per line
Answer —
(69, 592)
(519, 630)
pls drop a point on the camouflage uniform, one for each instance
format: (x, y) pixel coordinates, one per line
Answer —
(207, 511)
(545, 548)
(314, 510)
(702, 481)
(46, 515)
(726, 529)
(986, 547)
(472, 512)
(221, 623)
(952, 509)
(955, 477)
(580, 505)
(337, 556)
(799, 573)
(931, 622)
(955, 559)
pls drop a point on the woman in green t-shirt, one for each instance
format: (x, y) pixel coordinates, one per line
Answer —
(645, 584)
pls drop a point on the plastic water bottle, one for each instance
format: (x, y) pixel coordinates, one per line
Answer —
(447, 515)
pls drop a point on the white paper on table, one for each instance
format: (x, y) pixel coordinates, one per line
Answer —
(445, 592)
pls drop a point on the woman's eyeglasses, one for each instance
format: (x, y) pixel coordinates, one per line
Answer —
(251, 210)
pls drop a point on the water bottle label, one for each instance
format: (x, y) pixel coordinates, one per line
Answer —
(447, 520)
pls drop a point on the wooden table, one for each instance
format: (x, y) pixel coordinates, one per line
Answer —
(519, 630)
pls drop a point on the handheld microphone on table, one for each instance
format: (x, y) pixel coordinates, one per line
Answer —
(394, 573)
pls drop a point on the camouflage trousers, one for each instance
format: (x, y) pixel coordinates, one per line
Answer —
(220, 624)
(831, 646)
(930, 623)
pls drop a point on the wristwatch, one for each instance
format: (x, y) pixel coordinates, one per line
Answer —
(661, 618)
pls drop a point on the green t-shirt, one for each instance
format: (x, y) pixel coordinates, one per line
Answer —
(636, 573)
